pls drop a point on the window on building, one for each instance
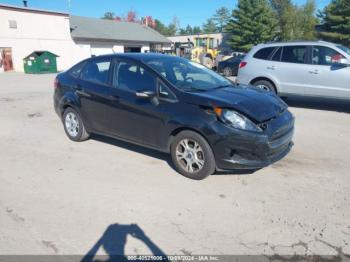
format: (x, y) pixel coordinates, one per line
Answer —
(294, 54)
(13, 24)
(96, 71)
(135, 78)
(322, 55)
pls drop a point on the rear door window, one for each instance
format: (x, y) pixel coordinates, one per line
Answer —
(264, 53)
(294, 54)
(97, 71)
(277, 55)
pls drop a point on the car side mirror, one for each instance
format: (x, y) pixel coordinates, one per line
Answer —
(145, 94)
(343, 62)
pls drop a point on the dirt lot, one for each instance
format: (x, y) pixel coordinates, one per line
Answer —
(60, 197)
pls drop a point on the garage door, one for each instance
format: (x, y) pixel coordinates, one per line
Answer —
(101, 49)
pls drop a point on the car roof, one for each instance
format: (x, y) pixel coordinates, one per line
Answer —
(140, 56)
(297, 42)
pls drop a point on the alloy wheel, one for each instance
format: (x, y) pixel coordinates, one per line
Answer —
(263, 87)
(190, 155)
(72, 124)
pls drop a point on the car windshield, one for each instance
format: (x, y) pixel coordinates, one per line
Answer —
(345, 49)
(187, 75)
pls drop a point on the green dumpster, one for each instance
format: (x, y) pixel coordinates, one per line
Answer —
(40, 62)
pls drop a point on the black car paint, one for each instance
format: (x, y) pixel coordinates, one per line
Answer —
(232, 63)
(153, 123)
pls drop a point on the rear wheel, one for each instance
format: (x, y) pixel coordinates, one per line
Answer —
(265, 85)
(73, 125)
(192, 155)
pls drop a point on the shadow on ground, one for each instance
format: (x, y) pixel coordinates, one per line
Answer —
(113, 242)
(319, 104)
(156, 154)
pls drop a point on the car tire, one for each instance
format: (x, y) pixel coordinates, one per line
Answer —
(74, 126)
(265, 85)
(197, 161)
(227, 71)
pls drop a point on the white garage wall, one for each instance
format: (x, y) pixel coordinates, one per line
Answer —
(39, 31)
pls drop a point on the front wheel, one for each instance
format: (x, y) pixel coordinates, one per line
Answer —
(265, 85)
(73, 125)
(192, 155)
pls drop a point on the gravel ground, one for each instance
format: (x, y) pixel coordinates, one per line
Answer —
(61, 197)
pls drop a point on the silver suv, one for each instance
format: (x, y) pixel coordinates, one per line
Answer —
(314, 68)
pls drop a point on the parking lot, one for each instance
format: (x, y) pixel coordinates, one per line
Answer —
(105, 196)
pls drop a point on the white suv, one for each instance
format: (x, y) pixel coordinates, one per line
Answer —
(314, 68)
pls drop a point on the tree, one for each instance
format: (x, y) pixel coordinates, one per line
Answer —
(295, 22)
(286, 13)
(196, 30)
(169, 30)
(160, 27)
(131, 16)
(252, 22)
(336, 22)
(109, 16)
(186, 31)
(221, 18)
(209, 26)
(307, 20)
(148, 20)
(173, 27)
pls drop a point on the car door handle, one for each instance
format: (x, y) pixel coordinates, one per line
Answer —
(80, 91)
(315, 72)
(271, 67)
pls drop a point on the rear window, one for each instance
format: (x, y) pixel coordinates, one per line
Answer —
(294, 54)
(264, 53)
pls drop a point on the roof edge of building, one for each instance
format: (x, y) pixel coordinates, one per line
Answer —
(77, 38)
(32, 10)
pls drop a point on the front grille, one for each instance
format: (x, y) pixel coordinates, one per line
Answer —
(281, 132)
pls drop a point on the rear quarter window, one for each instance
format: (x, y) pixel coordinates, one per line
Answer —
(264, 53)
(76, 70)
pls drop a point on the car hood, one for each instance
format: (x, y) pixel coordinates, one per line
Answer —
(254, 103)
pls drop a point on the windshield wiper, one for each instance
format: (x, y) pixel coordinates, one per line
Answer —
(222, 86)
(194, 89)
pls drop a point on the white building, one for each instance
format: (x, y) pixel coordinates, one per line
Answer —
(24, 30)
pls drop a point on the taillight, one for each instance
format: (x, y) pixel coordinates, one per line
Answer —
(56, 84)
(242, 64)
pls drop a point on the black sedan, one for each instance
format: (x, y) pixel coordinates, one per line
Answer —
(176, 106)
(229, 67)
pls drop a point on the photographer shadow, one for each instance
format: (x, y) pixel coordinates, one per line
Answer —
(113, 242)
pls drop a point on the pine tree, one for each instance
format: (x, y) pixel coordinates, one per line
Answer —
(253, 22)
(336, 22)
(109, 16)
(209, 26)
(307, 20)
(221, 17)
(295, 22)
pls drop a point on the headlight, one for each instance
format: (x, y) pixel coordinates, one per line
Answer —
(236, 120)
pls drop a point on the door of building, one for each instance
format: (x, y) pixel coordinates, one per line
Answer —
(6, 58)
